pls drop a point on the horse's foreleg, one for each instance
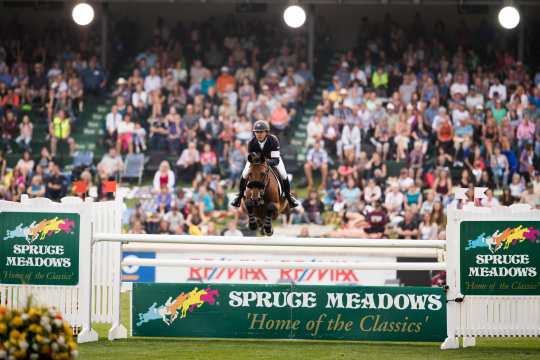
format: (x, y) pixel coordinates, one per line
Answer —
(250, 207)
(269, 214)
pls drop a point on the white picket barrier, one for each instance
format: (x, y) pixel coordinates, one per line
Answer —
(97, 296)
(474, 315)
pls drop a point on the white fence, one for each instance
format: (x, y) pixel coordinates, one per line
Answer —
(98, 295)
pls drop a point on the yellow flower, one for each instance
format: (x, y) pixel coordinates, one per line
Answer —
(67, 329)
(14, 335)
(39, 339)
(3, 328)
(20, 354)
(72, 345)
(17, 321)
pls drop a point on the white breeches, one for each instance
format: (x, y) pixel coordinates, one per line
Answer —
(280, 168)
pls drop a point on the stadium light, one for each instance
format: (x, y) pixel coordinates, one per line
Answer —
(294, 16)
(509, 17)
(83, 14)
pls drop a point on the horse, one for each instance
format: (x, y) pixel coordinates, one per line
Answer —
(262, 200)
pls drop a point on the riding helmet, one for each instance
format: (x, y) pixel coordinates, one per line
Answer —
(261, 125)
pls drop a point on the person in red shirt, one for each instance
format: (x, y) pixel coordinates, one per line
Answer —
(377, 220)
(224, 79)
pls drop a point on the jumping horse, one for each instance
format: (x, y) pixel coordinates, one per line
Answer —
(263, 201)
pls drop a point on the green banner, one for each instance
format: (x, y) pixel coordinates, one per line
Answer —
(39, 248)
(289, 312)
(500, 257)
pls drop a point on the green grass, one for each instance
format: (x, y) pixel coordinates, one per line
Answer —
(169, 348)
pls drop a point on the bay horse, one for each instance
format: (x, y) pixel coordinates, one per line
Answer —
(262, 200)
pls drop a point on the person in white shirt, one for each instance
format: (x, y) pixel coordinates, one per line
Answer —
(174, 217)
(459, 114)
(474, 99)
(350, 139)
(393, 200)
(315, 130)
(139, 95)
(111, 164)
(152, 81)
(112, 120)
(499, 88)
(232, 230)
(459, 89)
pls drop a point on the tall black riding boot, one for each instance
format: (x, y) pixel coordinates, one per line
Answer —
(238, 200)
(287, 190)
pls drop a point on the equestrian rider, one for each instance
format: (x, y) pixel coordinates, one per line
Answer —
(267, 146)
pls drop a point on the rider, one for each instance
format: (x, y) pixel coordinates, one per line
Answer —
(266, 145)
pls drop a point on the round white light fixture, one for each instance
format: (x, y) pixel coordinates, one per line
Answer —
(509, 17)
(83, 14)
(294, 16)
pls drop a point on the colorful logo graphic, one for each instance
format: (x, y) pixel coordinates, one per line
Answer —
(169, 311)
(503, 240)
(40, 230)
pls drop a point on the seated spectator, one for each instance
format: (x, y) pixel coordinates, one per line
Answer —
(188, 163)
(394, 200)
(25, 133)
(372, 192)
(208, 160)
(427, 229)
(408, 228)
(36, 188)
(126, 128)
(55, 183)
(60, 131)
(377, 220)
(164, 177)
(529, 196)
(279, 119)
(111, 164)
(313, 208)
(174, 218)
(9, 128)
(163, 200)
(490, 200)
(317, 159)
(236, 161)
(232, 229)
(25, 165)
(94, 78)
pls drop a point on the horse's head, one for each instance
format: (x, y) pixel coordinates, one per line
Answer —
(257, 179)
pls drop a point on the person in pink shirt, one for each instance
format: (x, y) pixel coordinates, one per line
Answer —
(208, 160)
(525, 132)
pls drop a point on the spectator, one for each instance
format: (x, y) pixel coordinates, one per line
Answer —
(25, 133)
(232, 229)
(60, 131)
(55, 183)
(189, 162)
(164, 177)
(111, 164)
(313, 209)
(408, 228)
(377, 220)
(126, 129)
(317, 159)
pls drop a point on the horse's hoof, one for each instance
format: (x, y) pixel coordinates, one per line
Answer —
(253, 226)
(268, 231)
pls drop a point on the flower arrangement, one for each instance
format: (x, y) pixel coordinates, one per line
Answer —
(36, 334)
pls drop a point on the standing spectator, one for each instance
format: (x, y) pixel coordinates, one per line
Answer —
(60, 131)
(112, 120)
(9, 128)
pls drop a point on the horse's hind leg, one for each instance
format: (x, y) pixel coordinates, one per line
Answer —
(267, 225)
(250, 207)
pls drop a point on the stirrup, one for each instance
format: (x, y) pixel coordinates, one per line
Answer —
(292, 201)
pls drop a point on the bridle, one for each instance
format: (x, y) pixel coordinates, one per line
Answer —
(257, 196)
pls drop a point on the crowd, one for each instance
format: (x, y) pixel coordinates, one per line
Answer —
(437, 118)
(403, 122)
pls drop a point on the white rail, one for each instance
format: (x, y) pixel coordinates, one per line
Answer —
(273, 241)
(285, 250)
(288, 264)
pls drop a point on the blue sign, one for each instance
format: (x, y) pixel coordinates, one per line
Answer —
(135, 273)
